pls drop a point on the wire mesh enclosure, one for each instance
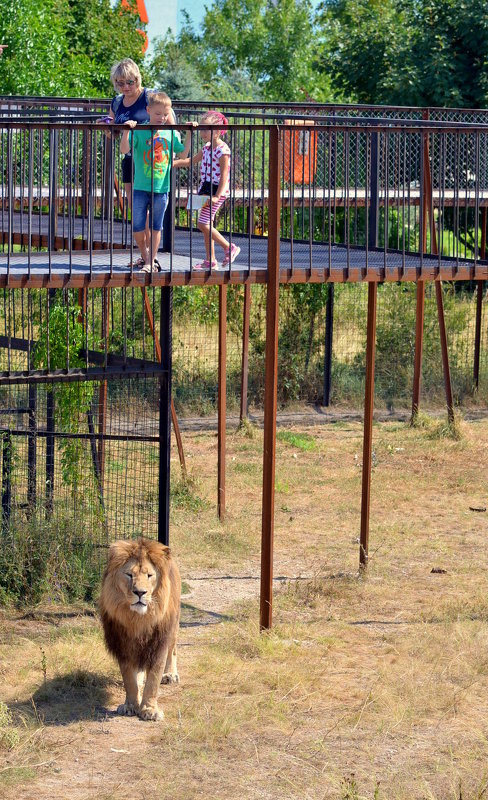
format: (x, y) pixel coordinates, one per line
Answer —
(80, 400)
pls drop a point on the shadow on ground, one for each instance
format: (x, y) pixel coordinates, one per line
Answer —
(79, 695)
(193, 617)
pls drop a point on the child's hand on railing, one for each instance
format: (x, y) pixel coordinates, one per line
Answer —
(131, 123)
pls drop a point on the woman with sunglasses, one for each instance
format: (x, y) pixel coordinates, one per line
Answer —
(130, 104)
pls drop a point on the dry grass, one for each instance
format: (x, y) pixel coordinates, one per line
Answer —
(371, 686)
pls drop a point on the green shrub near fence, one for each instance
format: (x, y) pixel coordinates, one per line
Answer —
(302, 345)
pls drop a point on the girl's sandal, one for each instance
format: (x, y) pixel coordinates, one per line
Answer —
(205, 264)
(231, 255)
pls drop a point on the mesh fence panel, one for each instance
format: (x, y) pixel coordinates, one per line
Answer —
(302, 346)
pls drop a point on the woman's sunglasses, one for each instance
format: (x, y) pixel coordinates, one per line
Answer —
(125, 83)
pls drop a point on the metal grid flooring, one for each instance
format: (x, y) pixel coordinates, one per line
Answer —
(298, 261)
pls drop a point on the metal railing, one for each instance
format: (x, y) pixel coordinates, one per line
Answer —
(394, 198)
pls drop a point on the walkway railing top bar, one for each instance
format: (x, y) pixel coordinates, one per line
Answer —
(336, 124)
(202, 105)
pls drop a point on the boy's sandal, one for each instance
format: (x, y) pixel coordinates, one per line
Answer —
(205, 264)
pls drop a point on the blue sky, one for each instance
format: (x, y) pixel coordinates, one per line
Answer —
(164, 14)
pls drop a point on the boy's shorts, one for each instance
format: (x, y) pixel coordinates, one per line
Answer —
(140, 205)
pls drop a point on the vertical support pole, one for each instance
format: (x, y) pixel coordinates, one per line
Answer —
(221, 401)
(373, 212)
(246, 316)
(6, 480)
(32, 451)
(419, 342)
(166, 334)
(102, 396)
(157, 346)
(49, 450)
(444, 351)
(271, 378)
(329, 332)
(479, 305)
(368, 424)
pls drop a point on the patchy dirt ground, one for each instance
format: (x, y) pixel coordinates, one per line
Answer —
(370, 686)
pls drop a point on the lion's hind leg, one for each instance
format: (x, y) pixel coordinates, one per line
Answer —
(170, 674)
(130, 677)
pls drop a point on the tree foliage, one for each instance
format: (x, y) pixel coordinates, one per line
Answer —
(247, 49)
(65, 47)
(407, 52)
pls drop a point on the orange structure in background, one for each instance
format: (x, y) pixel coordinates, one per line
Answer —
(142, 14)
(300, 152)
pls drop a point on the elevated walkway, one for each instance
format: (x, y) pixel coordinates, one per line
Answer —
(299, 262)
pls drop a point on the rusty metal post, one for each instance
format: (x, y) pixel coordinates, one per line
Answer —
(329, 332)
(419, 341)
(444, 351)
(221, 401)
(246, 316)
(368, 424)
(479, 304)
(271, 378)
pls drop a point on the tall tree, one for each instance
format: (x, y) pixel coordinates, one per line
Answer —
(407, 52)
(251, 49)
(64, 47)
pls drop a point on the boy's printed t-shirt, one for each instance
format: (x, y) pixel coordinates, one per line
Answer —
(152, 150)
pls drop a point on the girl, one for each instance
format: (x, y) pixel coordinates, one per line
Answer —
(214, 180)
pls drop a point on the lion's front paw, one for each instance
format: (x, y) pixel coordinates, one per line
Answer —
(170, 677)
(128, 710)
(149, 712)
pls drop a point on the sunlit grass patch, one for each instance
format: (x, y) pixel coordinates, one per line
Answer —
(9, 735)
(302, 441)
(439, 428)
(184, 494)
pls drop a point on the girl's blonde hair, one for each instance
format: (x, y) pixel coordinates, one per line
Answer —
(126, 70)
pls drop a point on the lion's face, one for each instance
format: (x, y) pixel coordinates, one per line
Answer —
(140, 584)
(137, 580)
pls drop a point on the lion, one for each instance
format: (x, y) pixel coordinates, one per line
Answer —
(140, 612)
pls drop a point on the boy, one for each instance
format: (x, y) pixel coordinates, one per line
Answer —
(152, 162)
